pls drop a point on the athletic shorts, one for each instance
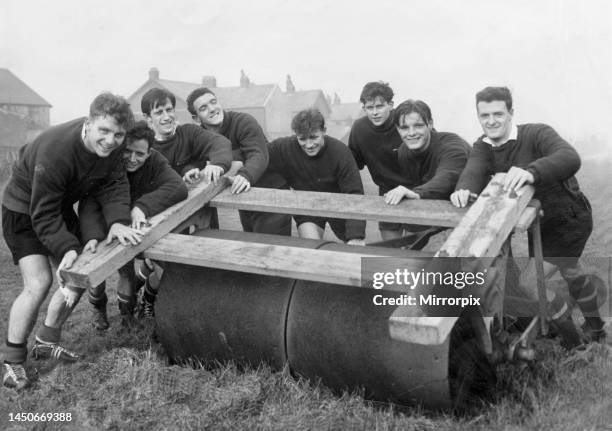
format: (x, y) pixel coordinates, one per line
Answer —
(20, 237)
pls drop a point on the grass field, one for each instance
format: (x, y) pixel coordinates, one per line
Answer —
(125, 380)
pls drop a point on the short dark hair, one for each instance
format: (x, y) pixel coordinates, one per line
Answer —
(140, 131)
(193, 96)
(490, 94)
(307, 121)
(375, 89)
(408, 107)
(155, 97)
(108, 104)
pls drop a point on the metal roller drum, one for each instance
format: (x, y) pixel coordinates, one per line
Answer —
(328, 332)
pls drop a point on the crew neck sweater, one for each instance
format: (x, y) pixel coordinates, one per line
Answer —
(433, 172)
(192, 146)
(54, 172)
(376, 147)
(332, 170)
(538, 149)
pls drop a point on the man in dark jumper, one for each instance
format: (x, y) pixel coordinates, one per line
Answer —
(313, 161)
(535, 154)
(64, 164)
(154, 187)
(431, 161)
(374, 142)
(250, 157)
(192, 151)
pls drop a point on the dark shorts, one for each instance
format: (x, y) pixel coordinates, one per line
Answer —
(20, 237)
(383, 225)
(566, 228)
(261, 222)
(337, 225)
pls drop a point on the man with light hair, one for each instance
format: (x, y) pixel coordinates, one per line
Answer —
(64, 164)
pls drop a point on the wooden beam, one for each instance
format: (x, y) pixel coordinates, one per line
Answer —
(481, 233)
(489, 221)
(91, 269)
(360, 207)
(427, 212)
(325, 266)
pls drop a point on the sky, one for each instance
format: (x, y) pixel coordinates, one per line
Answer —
(555, 55)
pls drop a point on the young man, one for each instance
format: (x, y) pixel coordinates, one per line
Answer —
(374, 142)
(430, 160)
(191, 151)
(154, 187)
(313, 161)
(64, 164)
(535, 154)
(250, 157)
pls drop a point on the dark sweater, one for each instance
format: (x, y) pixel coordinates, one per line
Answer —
(154, 187)
(332, 170)
(538, 149)
(192, 146)
(433, 173)
(376, 147)
(54, 172)
(249, 144)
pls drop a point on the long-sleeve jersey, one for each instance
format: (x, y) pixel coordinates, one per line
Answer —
(332, 170)
(154, 187)
(249, 144)
(538, 149)
(433, 172)
(192, 146)
(55, 171)
(376, 147)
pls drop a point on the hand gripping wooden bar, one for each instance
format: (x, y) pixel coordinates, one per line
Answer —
(90, 269)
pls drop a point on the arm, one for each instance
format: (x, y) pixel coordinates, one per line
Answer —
(166, 187)
(49, 185)
(253, 149)
(355, 150)
(91, 219)
(559, 160)
(349, 181)
(211, 147)
(478, 168)
(450, 161)
(114, 194)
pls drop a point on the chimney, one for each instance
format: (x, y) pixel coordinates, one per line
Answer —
(209, 81)
(289, 85)
(153, 73)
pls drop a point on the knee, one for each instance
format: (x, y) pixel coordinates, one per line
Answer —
(37, 285)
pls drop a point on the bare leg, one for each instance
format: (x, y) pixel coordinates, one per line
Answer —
(310, 230)
(387, 235)
(58, 311)
(37, 279)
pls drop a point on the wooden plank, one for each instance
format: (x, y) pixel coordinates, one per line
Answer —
(481, 233)
(427, 212)
(325, 266)
(360, 207)
(91, 269)
(526, 220)
(421, 330)
(488, 222)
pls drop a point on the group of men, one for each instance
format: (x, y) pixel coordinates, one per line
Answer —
(121, 173)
